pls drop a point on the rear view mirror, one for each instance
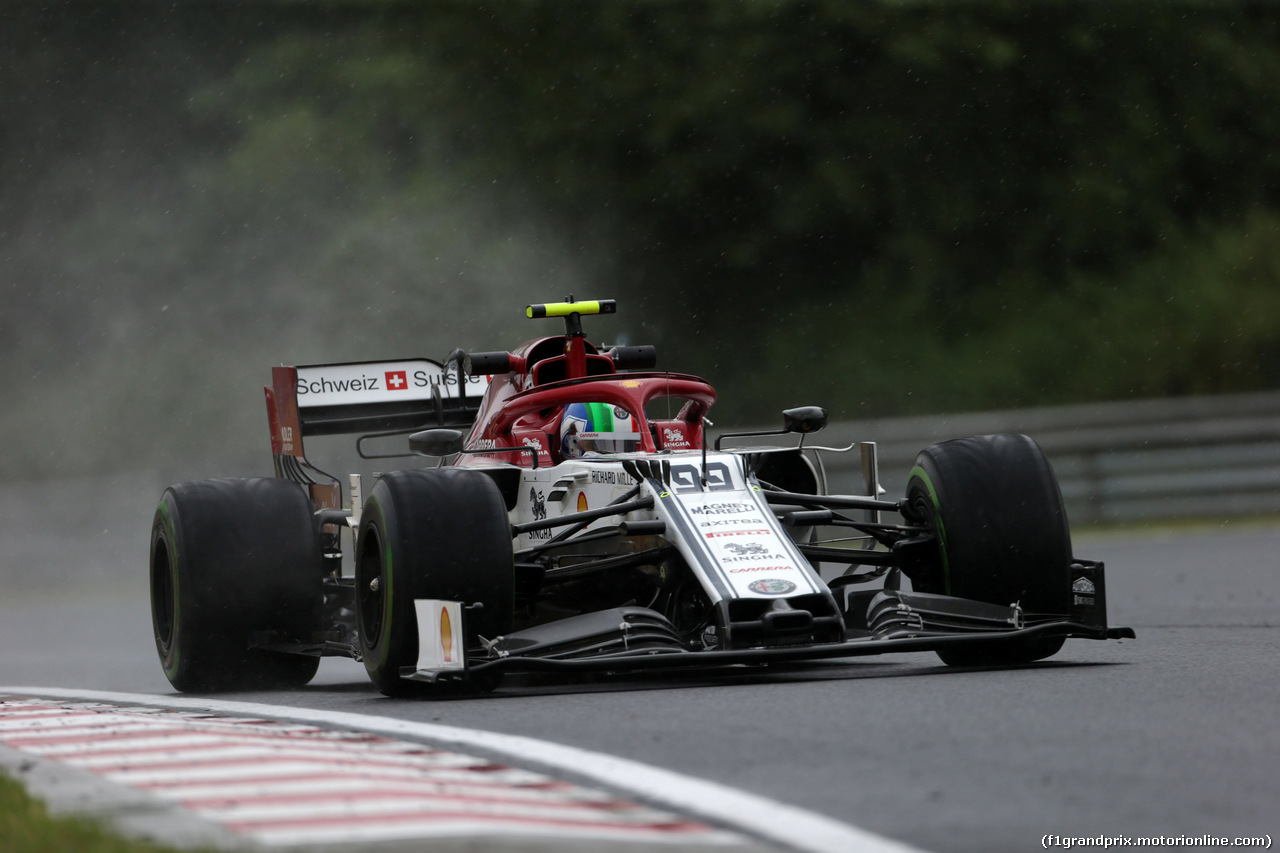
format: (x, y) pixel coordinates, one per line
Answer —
(804, 419)
(436, 442)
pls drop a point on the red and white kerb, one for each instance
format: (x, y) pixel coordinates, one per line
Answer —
(286, 783)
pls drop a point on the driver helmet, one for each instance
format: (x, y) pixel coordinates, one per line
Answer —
(597, 428)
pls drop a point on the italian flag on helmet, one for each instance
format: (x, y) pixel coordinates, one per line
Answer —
(597, 428)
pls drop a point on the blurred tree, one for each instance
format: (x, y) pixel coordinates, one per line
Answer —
(731, 163)
(884, 206)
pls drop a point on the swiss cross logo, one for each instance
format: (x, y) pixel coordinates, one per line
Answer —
(397, 380)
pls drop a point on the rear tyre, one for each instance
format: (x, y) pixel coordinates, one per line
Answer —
(229, 558)
(440, 533)
(996, 511)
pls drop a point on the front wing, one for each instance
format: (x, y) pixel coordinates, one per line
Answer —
(635, 639)
(648, 661)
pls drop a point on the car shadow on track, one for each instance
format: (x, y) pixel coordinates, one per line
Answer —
(526, 685)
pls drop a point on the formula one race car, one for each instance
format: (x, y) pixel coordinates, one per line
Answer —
(583, 524)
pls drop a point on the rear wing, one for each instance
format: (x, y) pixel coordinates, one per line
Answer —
(373, 398)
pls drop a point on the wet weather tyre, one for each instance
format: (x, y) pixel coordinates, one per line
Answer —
(439, 533)
(995, 508)
(233, 558)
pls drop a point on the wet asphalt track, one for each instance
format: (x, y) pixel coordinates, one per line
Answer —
(1172, 734)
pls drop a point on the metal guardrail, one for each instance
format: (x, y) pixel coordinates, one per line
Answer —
(1147, 459)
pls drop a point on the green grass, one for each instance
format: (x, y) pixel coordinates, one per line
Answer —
(27, 827)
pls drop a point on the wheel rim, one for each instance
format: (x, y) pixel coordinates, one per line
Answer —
(936, 578)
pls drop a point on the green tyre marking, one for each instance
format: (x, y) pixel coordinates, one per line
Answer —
(918, 471)
(388, 602)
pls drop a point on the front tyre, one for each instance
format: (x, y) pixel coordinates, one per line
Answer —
(996, 512)
(439, 533)
(228, 558)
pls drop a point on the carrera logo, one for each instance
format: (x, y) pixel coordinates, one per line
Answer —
(397, 380)
(739, 533)
(745, 569)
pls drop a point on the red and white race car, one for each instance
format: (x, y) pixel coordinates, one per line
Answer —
(578, 518)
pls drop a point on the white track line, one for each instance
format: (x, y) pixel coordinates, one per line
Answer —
(786, 825)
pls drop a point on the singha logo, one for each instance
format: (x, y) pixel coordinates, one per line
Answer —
(751, 549)
(538, 504)
(674, 438)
